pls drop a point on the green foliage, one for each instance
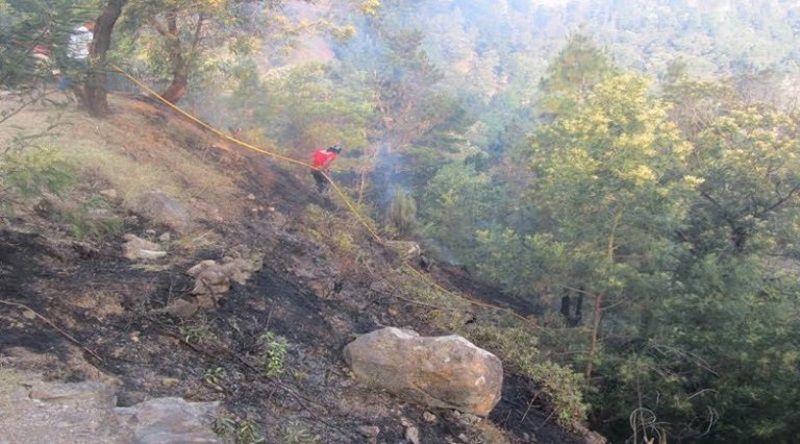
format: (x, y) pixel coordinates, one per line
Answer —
(573, 74)
(196, 333)
(25, 24)
(241, 431)
(33, 171)
(402, 213)
(457, 202)
(214, 377)
(273, 355)
(324, 226)
(750, 167)
(92, 221)
(311, 108)
(519, 349)
(298, 433)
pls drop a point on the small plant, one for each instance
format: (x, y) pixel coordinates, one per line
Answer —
(33, 171)
(272, 359)
(214, 376)
(241, 431)
(224, 426)
(92, 220)
(247, 432)
(195, 334)
(297, 433)
(299, 376)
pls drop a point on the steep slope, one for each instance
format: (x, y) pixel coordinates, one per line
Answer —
(271, 350)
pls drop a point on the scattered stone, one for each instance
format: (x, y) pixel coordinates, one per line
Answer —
(369, 431)
(412, 435)
(27, 314)
(170, 382)
(429, 417)
(468, 419)
(464, 438)
(136, 249)
(251, 196)
(447, 371)
(405, 249)
(150, 232)
(85, 250)
(109, 193)
(181, 308)
(160, 207)
(165, 237)
(212, 279)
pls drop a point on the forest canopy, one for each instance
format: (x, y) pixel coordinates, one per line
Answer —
(628, 170)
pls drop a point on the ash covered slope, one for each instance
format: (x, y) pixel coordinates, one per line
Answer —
(269, 348)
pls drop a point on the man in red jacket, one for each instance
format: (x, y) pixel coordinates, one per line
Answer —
(322, 160)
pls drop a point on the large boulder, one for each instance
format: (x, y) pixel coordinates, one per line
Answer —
(446, 371)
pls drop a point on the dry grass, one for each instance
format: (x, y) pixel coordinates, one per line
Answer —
(136, 150)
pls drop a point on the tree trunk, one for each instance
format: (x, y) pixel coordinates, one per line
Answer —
(94, 90)
(179, 56)
(598, 312)
(178, 87)
(598, 298)
(180, 79)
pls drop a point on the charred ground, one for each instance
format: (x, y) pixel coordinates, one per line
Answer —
(307, 292)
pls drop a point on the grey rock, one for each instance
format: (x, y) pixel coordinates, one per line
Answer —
(34, 411)
(446, 372)
(169, 421)
(412, 435)
(214, 279)
(369, 431)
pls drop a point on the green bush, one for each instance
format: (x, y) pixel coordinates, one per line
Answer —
(401, 216)
(33, 171)
(274, 354)
(92, 220)
(519, 350)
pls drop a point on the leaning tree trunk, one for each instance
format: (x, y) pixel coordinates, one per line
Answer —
(94, 90)
(179, 56)
(178, 87)
(180, 76)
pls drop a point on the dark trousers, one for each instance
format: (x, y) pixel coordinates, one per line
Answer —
(322, 182)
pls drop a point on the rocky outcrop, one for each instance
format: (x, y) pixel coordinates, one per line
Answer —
(168, 420)
(138, 249)
(446, 371)
(33, 411)
(213, 279)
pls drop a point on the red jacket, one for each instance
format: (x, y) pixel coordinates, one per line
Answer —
(323, 158)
